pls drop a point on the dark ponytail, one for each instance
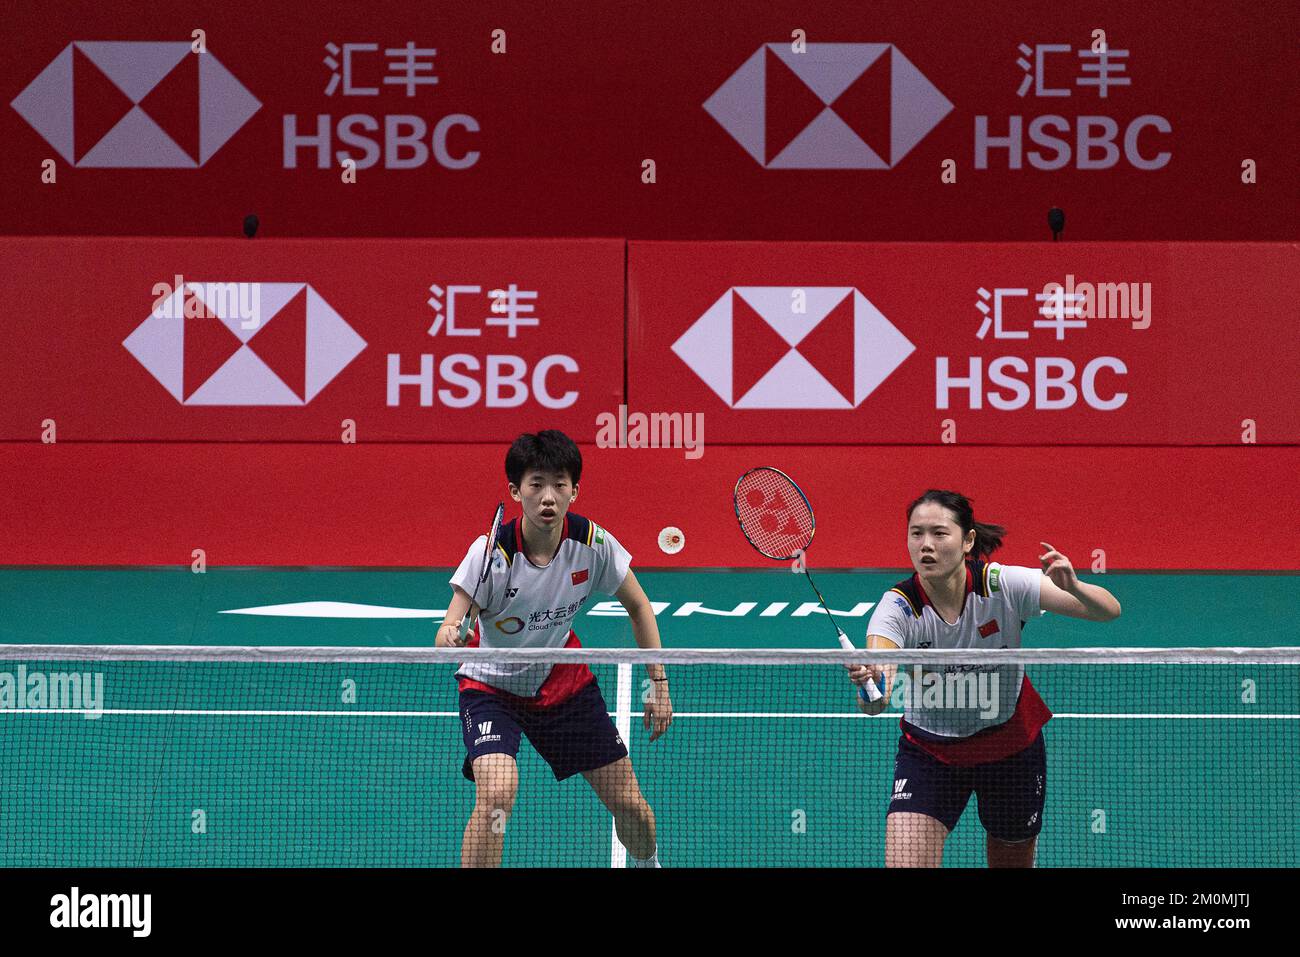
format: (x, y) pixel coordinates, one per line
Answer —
(988, 537)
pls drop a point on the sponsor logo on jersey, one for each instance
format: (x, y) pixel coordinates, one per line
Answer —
(597, 535)
(994, 574)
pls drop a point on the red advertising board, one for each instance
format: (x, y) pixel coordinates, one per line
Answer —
(255, 503)
(1016, 344)
(913, 120)
(308, 340)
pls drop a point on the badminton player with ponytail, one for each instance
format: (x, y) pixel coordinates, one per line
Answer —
(957, 598)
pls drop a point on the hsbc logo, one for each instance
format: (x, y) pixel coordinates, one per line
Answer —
(135, 105)
(296, 349)
(823, 347)
(832, 106)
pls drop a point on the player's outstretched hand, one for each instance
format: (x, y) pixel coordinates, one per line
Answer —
(1058, 568)
(658, 711)
(449, 635)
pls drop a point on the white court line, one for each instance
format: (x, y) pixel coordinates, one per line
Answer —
(623, 721)
(619, 716)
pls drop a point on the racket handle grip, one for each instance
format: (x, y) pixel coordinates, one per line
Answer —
(464, 627)
(869, 691)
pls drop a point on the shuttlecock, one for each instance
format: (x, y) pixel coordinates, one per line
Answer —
(671, 540)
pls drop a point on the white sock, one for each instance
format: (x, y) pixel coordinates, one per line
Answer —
(651, 861)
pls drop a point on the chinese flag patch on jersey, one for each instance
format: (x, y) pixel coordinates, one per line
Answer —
(579, 577)
(988, 628)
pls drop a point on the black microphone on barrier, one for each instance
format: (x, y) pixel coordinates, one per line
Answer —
(250, 225)
(1056, 221)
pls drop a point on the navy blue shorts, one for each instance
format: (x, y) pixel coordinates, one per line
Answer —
(1010, 792)
(575, 735)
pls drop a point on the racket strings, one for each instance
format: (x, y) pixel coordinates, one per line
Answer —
(773, 514)
(493, 534)
(493, 531)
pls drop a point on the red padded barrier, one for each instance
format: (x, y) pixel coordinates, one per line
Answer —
(111, 504)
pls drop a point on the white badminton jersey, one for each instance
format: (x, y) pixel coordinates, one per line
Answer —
(999, 600)
(527, 606)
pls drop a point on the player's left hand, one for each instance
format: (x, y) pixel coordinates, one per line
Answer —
(658, 711)
(1058, 568)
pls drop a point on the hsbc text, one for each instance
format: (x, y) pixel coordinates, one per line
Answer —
(1094, 143)
(1051, 384)
(402, 140)
(502, 382)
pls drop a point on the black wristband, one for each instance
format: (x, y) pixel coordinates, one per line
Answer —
(658, 679)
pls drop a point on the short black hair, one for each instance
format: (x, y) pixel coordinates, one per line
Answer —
(546, 451)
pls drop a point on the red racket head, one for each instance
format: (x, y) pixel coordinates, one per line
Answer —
(774, 513)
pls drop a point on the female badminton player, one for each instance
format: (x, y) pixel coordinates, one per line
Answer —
(967, 729)
(545, 566)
